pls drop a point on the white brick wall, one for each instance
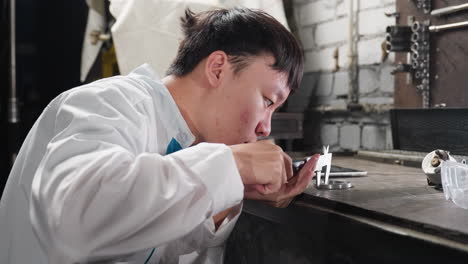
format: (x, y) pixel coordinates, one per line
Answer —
(329, 135)
(307, 37)
(370, 51)
(316, 12)
(319, 60)
(323, 28)
(331, 32)
(368, 4)
(387, 80)
(368, 81)
(325, 85)
(340, 84)
(372, 136)
(350, 136)
(374, 21)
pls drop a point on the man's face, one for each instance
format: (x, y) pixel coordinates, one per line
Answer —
(245, 102)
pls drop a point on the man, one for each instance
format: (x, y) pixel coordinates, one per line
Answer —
(116, 171)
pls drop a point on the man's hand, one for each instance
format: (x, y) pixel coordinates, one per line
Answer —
(263, 166)
(289, 190)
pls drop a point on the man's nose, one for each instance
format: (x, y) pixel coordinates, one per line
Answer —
(263, 128)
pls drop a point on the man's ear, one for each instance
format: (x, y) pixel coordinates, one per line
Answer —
(216, 67)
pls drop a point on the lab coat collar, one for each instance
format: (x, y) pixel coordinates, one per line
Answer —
(175, 121)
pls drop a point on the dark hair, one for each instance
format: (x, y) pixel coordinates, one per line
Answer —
(241, 33)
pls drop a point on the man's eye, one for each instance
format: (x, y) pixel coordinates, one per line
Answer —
(268, 102)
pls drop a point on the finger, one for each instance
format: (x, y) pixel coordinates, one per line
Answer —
(304, 176)
(288, 165)
(284, 175)
(310, 164)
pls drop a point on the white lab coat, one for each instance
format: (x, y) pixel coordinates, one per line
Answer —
(92, 183)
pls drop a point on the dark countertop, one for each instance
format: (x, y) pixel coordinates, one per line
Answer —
(391, 197)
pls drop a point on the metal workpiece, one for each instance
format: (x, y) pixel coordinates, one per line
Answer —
(334, 185)
(438, 28)
(449, 10)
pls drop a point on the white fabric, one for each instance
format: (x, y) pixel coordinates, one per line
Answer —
(92, 182)
(148, 31)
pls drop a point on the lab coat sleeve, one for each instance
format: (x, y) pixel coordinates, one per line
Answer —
(96, 196)
(203, 245)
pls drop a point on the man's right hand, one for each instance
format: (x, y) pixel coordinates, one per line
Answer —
(263, 166)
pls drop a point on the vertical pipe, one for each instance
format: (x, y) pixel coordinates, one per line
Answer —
(353, 98)
(13, 104)
(13, 100)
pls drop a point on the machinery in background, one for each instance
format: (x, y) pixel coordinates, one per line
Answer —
(415, 39)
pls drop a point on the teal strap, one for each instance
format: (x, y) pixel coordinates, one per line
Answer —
(173, 146)
(149, 257)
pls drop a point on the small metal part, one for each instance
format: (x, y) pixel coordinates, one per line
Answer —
(334, 185)
(97, 35)
(435, 161)
(394, 14)
(401, 67)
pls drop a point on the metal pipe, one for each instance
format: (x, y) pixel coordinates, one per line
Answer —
(439, 28)
(448, 10)
(352, 53)
(13, 112)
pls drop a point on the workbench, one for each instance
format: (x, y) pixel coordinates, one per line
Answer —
(389, 216)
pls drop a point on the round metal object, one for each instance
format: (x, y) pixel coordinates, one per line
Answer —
(334, 185)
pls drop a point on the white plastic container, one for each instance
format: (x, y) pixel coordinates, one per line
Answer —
(455, 182)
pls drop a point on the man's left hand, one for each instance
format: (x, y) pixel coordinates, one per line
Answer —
(295, 185)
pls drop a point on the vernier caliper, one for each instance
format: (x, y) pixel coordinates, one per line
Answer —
(324, 161)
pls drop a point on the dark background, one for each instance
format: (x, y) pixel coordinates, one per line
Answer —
(49, 36)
